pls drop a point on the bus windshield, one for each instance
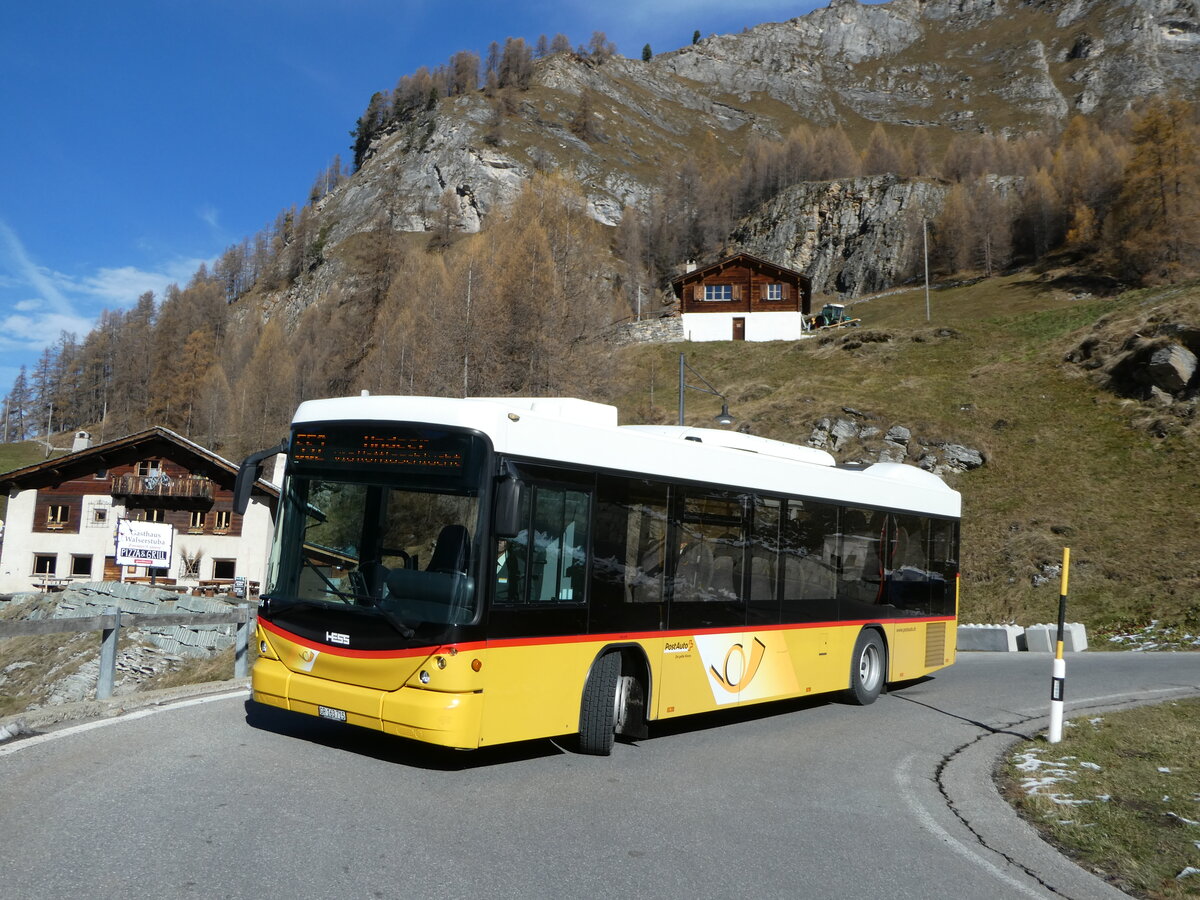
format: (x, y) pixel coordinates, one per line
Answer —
(375, 537)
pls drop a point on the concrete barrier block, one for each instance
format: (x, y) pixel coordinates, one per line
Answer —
(1001, 638)
(1042, 638)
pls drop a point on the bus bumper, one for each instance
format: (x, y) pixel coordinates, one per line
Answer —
(448, 719)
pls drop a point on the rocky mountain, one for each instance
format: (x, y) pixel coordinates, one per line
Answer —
(992, 66)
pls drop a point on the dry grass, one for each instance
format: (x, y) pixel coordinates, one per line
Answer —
(1121, 795)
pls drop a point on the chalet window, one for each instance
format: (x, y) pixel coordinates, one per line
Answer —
(718, 292)
(58, 515)
(773, 292)
(101, 474)
(149, 515)
(45, 564)
(196, 523)
(148, 467)
(222, 524)
(99, 515)
(224, 568)
(81, 566)
(189, 568)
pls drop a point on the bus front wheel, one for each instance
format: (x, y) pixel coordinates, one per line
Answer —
(598, 709)
(867, 667)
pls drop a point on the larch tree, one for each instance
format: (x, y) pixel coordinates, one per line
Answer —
(881, 157)
(1156, 219)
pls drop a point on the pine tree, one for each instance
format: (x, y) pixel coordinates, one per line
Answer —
(1042, 213)
(647, 53)
(17, 408)
(1157, 215)
(369, 126)
(881, 156)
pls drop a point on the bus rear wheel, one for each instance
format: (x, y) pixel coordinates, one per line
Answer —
(598, 708)
(867, 667)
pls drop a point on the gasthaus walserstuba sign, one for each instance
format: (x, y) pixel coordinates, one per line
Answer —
(144, 543)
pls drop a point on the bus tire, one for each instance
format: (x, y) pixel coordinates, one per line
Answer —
(868, 667)
(598, 709)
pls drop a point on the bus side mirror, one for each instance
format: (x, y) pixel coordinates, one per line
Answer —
(249, 472)
(506, 519)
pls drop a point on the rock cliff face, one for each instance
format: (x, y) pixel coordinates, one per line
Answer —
(851, 237)
(1001, 66)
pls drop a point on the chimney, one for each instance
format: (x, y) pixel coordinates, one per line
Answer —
(83, 441)
(690, 267)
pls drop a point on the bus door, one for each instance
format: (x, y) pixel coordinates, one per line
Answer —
(706, 658)
(535, 667)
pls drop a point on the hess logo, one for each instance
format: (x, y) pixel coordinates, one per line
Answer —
(736, 672)
(336, 637)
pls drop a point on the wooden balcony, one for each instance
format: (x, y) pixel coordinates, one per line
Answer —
(185, 487)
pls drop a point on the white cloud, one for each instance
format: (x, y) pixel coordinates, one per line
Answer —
(211, 216)
(33, 332)
(122, 286)
(32, 274)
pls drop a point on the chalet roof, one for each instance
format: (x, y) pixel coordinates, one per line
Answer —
(748, 259)
(153, 442)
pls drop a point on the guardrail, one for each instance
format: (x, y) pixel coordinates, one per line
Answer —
(109, 622)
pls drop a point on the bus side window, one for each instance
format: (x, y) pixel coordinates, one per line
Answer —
(943, 566)
(546, 562)
(808, 541)
(908, 568)
(707, 588)
(764, 561)
(629, 553)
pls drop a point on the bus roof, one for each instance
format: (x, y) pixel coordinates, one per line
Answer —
(583, 433)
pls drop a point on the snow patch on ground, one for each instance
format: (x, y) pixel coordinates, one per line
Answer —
(1154, 637)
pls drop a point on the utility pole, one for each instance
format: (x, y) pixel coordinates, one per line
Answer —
(467, 347)
(925, 243)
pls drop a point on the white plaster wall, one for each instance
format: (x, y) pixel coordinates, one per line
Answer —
(251, 549)
(16, 559)
(761, 326)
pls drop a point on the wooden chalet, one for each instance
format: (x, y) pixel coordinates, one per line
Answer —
(743, 298)
(63, 513)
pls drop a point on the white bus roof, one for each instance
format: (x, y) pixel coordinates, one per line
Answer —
(583, 433)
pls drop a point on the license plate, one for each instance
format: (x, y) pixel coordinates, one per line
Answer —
(328, 712)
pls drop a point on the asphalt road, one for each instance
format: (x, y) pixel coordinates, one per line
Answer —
(220, 798)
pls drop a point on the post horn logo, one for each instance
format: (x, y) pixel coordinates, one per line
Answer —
(737, 673)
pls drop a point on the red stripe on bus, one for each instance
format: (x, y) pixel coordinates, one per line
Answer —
(613, 637)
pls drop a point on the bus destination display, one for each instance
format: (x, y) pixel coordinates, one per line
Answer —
(377, 449)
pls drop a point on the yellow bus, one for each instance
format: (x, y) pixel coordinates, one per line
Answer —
(478, 571)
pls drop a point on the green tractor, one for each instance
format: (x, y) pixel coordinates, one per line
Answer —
(833, 315)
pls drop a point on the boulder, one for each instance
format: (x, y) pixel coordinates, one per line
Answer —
(1171, 368)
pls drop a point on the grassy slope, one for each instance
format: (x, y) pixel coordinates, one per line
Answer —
(1065, 465)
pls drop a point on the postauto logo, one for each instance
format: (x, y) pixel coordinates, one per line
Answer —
(731, 664)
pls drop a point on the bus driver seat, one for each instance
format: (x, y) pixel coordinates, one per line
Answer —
(452, 551)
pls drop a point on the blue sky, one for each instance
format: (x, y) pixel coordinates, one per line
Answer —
(139, 138)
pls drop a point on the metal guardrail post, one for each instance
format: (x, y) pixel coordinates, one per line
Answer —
(108, 656)
(241, 646)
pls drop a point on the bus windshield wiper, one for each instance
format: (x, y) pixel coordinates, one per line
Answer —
(394, 620)
(349, 598)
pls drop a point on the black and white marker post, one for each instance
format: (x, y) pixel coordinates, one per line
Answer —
(1059, 678)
